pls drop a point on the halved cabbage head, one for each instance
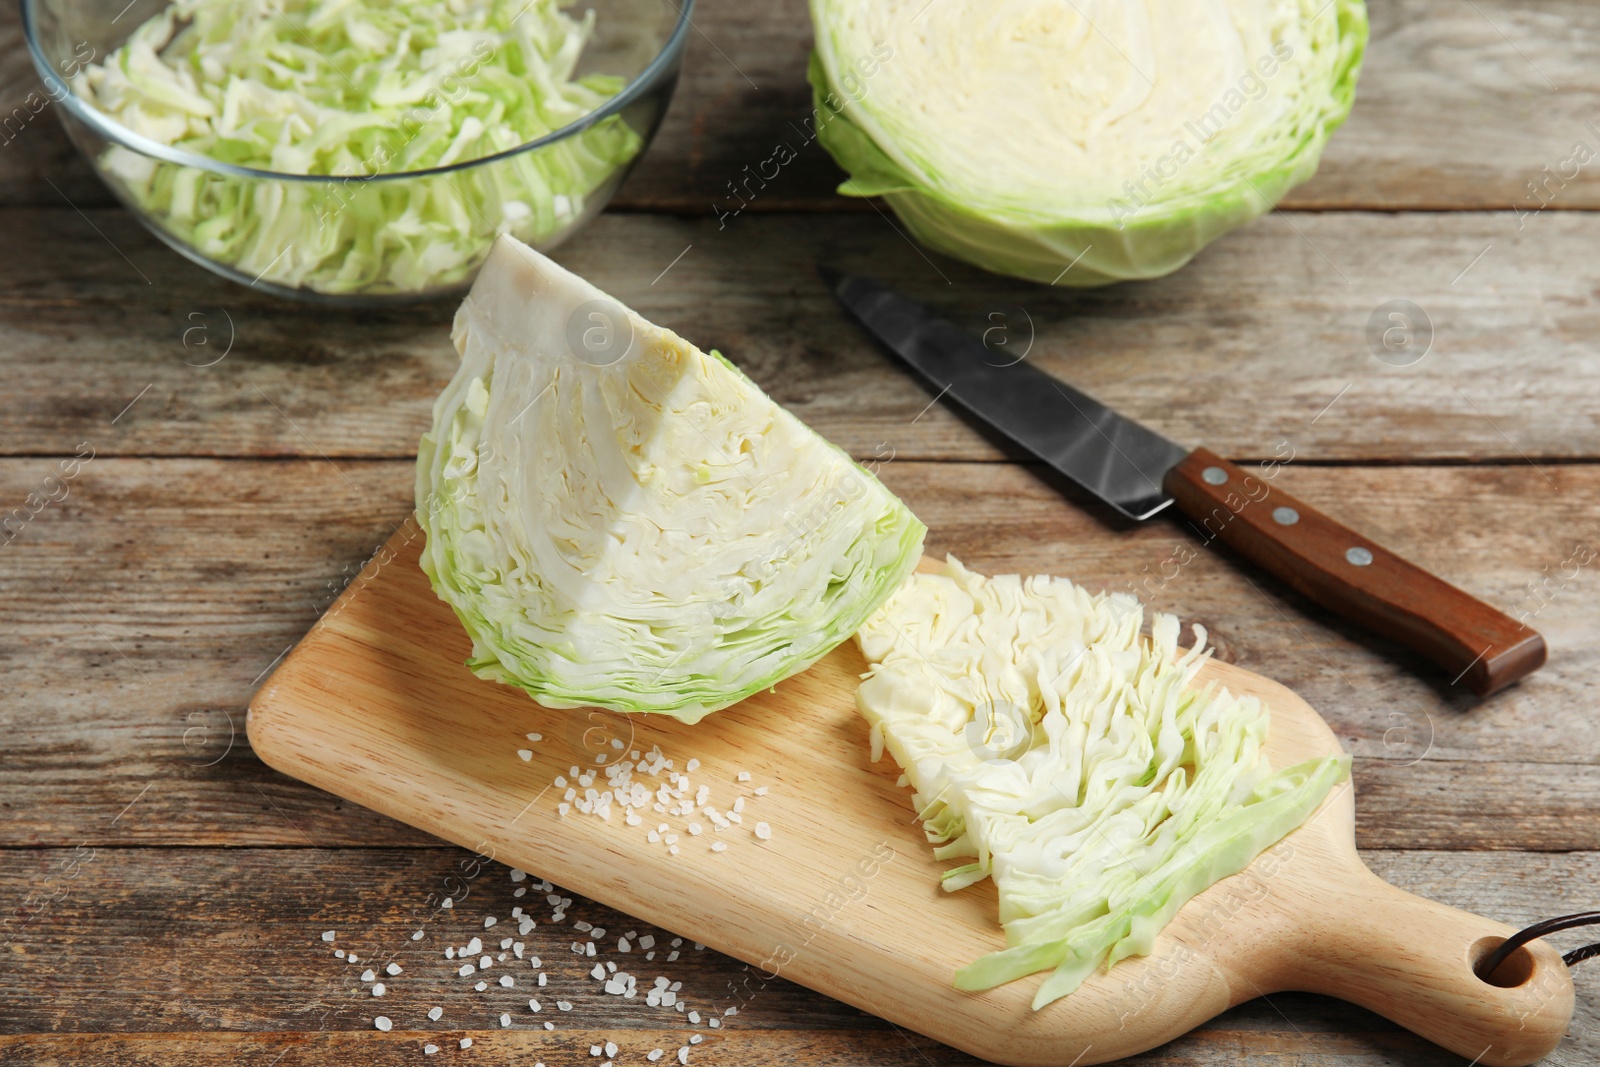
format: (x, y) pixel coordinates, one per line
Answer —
(1062, 754)
(620, 520)
(1081, 142)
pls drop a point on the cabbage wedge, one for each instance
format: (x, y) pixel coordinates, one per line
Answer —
(1056, 750)
(623, 521)
(1081, 142)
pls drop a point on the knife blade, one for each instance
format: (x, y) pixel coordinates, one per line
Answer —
(1138, 472)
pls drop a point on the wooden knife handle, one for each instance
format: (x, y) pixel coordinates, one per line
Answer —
(1351, 576)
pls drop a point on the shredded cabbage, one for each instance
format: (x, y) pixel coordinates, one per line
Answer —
(355, 88)
(1064, 756)
(1081, 142)
(620, 520)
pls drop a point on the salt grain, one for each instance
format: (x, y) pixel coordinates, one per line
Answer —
(505, 1020)
(655, 1054)
(488, 921)
(611, 1049)
(434, 1013)
(763, 831)
(466, 969)
(328, 935)
(379, 990)
(382, 1023)
(429, 1050)
(481, 986)
(392, 970)
(367, 975)
(507, 981)
(533, 1005)
(525, 754)
(466, 1042)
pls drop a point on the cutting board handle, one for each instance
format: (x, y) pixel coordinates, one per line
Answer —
(1411, 960)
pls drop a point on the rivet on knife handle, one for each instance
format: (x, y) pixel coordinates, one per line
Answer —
(1353, 577)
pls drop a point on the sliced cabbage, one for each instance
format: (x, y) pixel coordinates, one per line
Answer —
(620, 520)
(356, 88)
(1059, 753)
(1081, 142)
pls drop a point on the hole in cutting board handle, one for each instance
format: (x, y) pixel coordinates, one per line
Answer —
(1513, 971)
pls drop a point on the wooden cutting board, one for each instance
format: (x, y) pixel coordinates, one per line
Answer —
(375, 705)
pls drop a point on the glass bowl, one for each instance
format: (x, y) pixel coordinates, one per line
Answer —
(357, 240)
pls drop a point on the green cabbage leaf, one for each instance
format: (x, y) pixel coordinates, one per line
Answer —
(1081, 143)
(1055, 750)
(621, 520)
(351, 89)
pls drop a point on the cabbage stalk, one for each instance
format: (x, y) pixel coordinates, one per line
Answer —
(1081, 142)
(621, 520)
(1055, 750)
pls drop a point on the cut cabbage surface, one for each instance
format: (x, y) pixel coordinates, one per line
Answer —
(1057, 751)
(624, 521)
(1080, 142)
(357, 88)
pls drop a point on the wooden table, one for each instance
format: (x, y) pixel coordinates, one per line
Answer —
(163, 891)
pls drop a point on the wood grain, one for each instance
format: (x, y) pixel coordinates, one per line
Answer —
(1459, 106)
(1260, 351)
(110, 687)
(102, 959)
(1379, 591)
(375, 705)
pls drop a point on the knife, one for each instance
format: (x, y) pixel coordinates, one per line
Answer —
(1139, 473)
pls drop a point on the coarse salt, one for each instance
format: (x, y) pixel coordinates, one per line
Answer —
(382, 1023)
(434, 1013)
(328, 935)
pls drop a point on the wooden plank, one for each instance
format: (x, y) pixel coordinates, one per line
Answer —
(1259, 351)
(1460, 105)
(139, 611)
(375, 706)
(102, 957)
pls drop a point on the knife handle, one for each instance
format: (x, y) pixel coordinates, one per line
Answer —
(1351, 576)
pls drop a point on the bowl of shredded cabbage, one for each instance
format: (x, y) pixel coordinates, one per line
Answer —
(359, 151)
